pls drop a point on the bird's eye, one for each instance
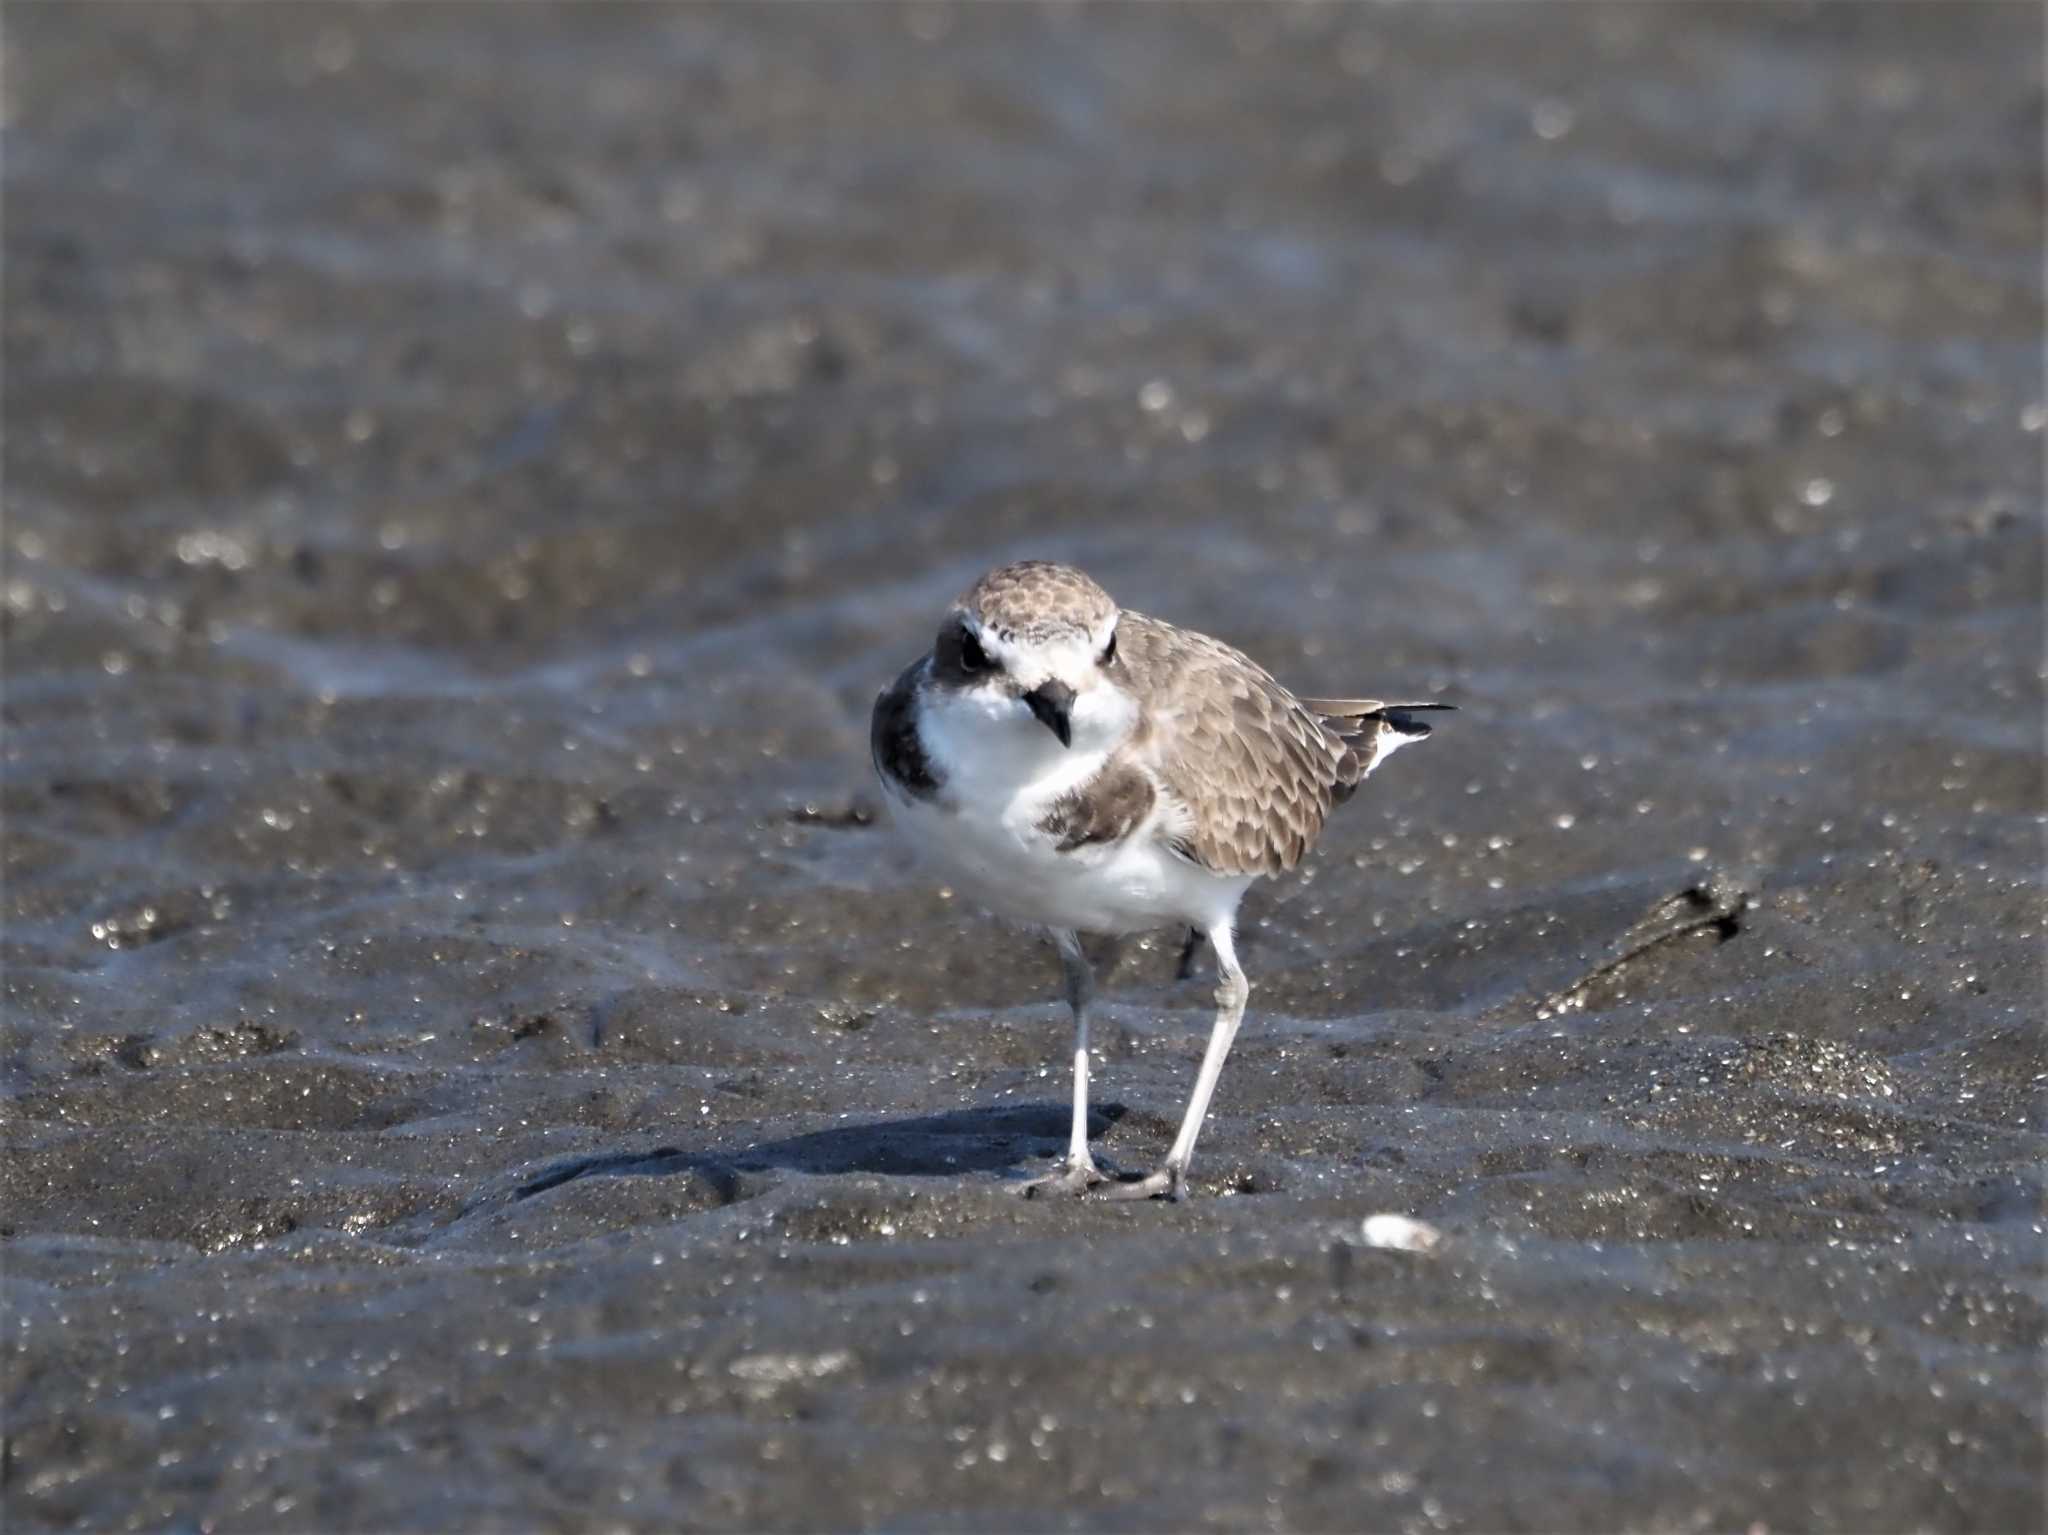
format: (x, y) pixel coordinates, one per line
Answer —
(972, 657)
(1109, 651)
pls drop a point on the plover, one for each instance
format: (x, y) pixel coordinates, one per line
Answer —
(1084, 769)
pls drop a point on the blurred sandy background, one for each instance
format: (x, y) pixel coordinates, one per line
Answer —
(471, 1063)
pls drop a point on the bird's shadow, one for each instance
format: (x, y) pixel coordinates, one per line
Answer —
(985, 1139)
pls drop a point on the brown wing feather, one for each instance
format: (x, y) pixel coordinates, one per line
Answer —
(1344, 708)
(1108, 808)
(1256, 769)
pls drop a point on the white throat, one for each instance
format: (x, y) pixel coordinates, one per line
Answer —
(990, 751)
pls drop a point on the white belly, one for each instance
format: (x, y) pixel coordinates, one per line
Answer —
(1129, 887)
(980, 833)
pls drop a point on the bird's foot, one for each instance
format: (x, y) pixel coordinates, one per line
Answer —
(1167, 1182)
(1071, 1177)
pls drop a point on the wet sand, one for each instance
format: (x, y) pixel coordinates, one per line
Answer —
(473, 1060)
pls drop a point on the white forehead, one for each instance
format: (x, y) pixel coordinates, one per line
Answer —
(1066, 653)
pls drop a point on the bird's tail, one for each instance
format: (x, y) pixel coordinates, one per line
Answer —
(1371, 730)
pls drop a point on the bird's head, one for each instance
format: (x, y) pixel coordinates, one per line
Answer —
(1037, 642)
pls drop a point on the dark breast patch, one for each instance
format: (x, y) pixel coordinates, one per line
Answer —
(892, 737)
(1108, 808)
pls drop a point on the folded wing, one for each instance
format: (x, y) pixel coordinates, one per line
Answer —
(1253, 770)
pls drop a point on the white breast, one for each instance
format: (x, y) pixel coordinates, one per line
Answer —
(1001, 773)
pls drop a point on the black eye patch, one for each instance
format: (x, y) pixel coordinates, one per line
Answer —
(972, 657)
(1108, 651)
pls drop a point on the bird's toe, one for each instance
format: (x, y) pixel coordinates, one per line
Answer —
(1161, 1183)
(1069, 1178)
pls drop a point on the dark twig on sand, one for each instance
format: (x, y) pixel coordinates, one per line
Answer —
(1718, 905)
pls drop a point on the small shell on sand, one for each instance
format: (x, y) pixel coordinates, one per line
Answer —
(1401, 1233)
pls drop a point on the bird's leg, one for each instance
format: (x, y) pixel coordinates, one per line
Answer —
(1077, 1172)
(1170, 1180)
(1186, 967)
